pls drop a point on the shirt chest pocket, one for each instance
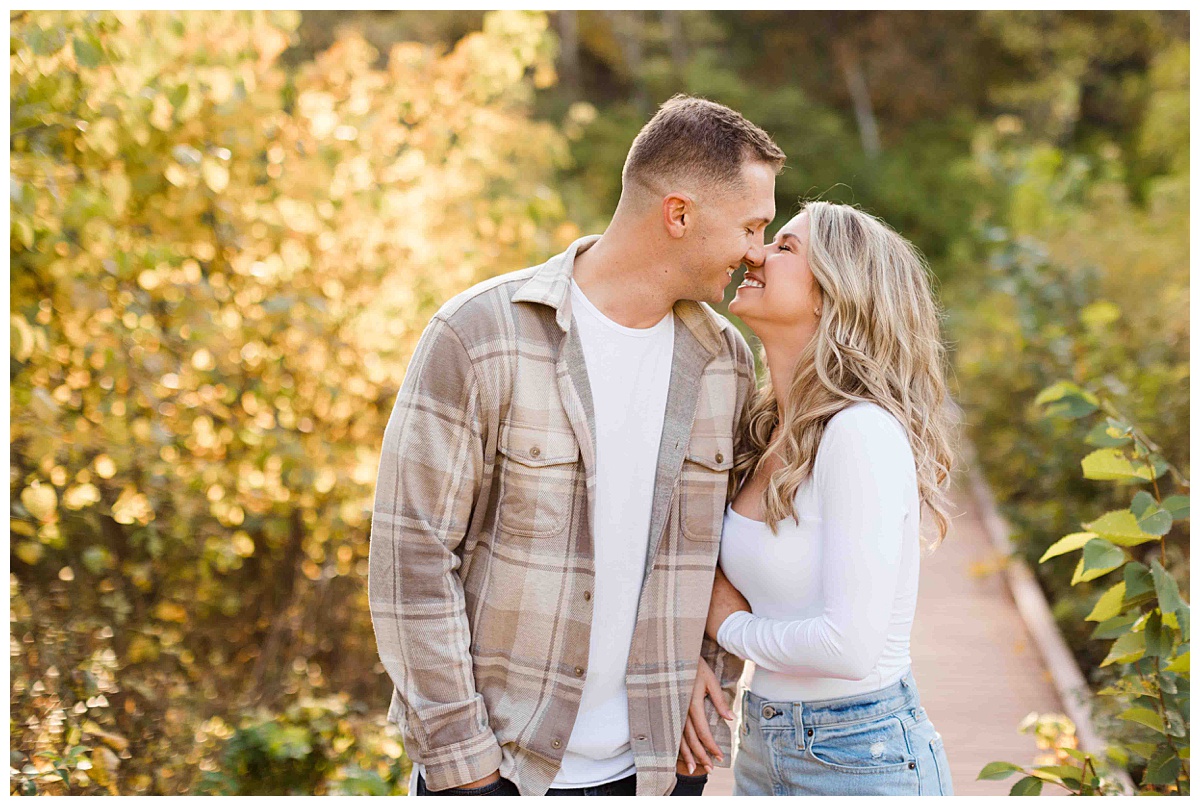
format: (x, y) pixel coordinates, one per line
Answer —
(704, 485)
(538, 479)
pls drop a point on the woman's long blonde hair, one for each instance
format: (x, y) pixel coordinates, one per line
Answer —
(877, 340)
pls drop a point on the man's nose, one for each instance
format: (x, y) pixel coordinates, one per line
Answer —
(755, 256)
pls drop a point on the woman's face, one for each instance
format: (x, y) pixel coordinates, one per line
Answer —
(780, 294)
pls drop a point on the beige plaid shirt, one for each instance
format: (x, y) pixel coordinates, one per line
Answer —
(481, 569)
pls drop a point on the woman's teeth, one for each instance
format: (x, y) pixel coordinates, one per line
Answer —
(752, 283)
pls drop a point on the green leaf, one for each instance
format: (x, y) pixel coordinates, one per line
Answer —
(1109, 464)
(1143, 503)
(1144, 716)
(1109, 604)
(1066, 544)
(1177, 505)
(997, 771)
(1144, 749)
(1158, 641)
(1126, 649)
(1115, 627)
(1181, 664)
(1163, 767)
(1099, 557)
(87, 52)
(1139, 584)
(1117, 755)
(1039, 772)
(1151, 518)
(1064, 771)
(1120, 527)
(1104, 435)
(1026, 786)
(1065, 399)
(1166, 587)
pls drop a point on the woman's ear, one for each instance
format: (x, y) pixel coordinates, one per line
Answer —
(678, 215)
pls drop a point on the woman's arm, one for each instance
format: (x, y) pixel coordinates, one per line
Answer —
(863, 474)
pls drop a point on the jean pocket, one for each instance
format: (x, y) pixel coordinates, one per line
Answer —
(864, 747)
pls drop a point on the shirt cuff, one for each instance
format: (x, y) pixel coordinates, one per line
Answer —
(732, 626)
(462, 763)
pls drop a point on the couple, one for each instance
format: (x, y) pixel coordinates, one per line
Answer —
(578, 445)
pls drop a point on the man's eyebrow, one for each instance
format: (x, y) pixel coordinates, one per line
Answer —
(760, 221)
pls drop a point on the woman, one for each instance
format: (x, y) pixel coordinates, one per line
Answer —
(820, 549)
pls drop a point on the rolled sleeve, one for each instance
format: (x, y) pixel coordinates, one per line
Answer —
(430, 474)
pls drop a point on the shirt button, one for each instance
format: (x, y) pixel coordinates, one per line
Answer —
(768, 712)
(556, 744)
(810, 731)
(579, 671)
(587, 596)
(640, 737)
(912, 765)
(720, 457)
(535, 452)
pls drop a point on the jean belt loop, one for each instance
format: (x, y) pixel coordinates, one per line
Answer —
(798, 725)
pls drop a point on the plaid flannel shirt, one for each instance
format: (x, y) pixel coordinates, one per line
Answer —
(481, 564)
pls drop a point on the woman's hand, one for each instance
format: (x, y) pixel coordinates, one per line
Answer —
(697, 738)
(725, 601)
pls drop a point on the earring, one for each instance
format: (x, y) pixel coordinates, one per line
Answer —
(817, 311)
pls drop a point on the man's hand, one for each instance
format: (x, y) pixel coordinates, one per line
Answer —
(726, 600)
(487, 779)
(697, 738)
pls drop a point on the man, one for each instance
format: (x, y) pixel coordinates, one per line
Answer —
(552, 483)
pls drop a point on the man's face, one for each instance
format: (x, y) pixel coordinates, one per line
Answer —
(729, 231)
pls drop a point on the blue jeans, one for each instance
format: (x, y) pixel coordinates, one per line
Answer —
(880, 743)
(684, 785)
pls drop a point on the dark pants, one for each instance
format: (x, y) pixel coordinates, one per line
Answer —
(684, 785)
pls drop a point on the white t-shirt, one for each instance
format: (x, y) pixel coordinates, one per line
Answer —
(833, 597)
(629, 370)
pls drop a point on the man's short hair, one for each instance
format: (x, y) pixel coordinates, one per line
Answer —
(695, 139)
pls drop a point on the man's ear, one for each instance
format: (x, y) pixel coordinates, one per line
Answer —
(678, 213)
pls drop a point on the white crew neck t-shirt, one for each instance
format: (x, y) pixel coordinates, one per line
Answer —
(833, 596)
(629, 370)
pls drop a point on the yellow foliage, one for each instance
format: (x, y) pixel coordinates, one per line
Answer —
(220, 265)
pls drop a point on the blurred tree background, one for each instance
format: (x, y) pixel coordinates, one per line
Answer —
(229, 229)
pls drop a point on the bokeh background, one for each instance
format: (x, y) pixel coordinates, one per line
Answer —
(229, 229)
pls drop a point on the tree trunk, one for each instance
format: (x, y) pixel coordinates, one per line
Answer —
(676, 42)
(567, 23)
(856, 83)
(283, 617)
(627, 28)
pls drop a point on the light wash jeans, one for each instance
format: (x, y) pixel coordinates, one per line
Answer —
(880, 743)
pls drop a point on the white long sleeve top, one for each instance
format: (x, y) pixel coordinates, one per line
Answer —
(833, 595)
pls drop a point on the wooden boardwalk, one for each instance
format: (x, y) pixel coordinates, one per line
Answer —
(977, 670)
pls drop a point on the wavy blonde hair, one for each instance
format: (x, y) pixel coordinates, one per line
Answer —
(877, 340)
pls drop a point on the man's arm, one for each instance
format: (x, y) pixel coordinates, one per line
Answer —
(430, 475)
(726, 666)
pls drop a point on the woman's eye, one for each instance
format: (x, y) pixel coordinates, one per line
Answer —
(784, 248)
